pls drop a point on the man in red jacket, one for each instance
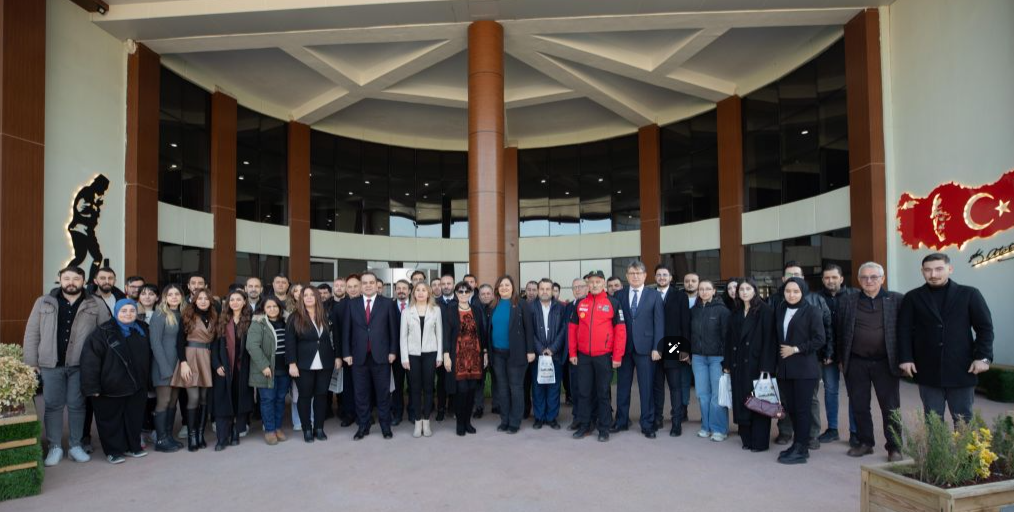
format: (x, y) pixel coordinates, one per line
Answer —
(597, 338)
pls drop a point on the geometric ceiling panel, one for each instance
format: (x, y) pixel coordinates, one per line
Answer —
(563, 122)
(399, 121)
(364, 62)
(645, 49)
(524, 84)
(445, 79)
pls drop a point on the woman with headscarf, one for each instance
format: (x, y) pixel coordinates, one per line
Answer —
(115, 366)
(800, 331)
(231, 364)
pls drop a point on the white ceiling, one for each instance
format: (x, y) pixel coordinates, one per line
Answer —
(395, 71)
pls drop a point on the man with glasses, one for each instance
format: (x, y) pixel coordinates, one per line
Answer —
(868, 353)
(642, 308)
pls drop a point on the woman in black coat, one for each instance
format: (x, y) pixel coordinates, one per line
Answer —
(115, 368)
(465, 355)
(513, 350)
(749, 350)
(233, 396)
(312, 357)
(800, 331)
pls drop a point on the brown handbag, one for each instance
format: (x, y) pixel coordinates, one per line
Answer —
(764, 407)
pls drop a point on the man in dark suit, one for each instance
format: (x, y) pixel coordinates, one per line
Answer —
(370, 345)
(642, 307)
(448, 302)
(676, 314)
(401, 292)
(549, 335)
(935, 339)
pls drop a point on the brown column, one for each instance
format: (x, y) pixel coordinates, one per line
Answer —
(865, 108)
(223, 191)
(299, 202)
(512, 258)
(141, 176)
(651, 198)
(486, 216)
(730, 187)
(22, 148)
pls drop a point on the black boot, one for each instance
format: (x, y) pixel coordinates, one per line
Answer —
(307, 434)
(192, 444)
(235, 435)
(223, 433)
(170, 424)
(797, 455)
(162, 443)
(202, 421)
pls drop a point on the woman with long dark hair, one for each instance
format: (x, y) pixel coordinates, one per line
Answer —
(231, 361)
(164, 330)
(800, 329)
(513, 351)
(422, 342)
(729, 295)
(750, 349)
(193, 373)
(311, 355)
(465, 355)
(269, 373)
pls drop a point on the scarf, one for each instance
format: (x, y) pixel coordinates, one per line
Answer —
(126, 328)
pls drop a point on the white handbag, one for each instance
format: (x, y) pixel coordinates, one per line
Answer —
(547, 373)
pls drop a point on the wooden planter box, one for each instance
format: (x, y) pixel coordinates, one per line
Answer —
(886, 491)
(21, 469)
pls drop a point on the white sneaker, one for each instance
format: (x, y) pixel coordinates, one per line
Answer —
(137, 454)
(718, 438)
(115, 459)
(54, 457)
(183, 432)
(297, 428)
(703, 433)
(245, 431)
(77, 454)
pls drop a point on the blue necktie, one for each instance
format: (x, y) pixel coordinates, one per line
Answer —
(633, 305)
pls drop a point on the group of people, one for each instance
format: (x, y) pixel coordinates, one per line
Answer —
(132, 358)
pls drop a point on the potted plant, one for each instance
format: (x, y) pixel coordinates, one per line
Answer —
(20, 450)
(968, 468)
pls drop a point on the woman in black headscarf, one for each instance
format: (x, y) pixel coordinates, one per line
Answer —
(800, 332)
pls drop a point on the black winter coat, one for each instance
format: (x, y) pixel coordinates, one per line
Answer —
(222, 387)
(805, 331)
(114, 366)
(750, 348)
(708, 327)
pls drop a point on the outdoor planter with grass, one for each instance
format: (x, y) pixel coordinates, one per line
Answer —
(21, 468)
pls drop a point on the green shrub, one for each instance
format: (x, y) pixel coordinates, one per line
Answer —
(20, 431)
(944, 457)
(998, 384)
(21, 483)
(1003, 443)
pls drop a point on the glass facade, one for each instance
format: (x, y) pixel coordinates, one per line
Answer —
(177, 262)
(765, 261)
(579, 189)
(705, 263)
(689, 169)
(261, 167)
(564, 272)
(795, 133)
(184, 154)
(261, 266)
(373, 189)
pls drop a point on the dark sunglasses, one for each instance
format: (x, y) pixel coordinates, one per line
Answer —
(462, 292)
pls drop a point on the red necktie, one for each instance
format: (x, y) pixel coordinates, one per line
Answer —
(368, 322)
(403, 307)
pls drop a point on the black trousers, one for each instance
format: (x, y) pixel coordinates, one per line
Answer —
(756, 435)
(862, 375)
(373, 380)
(420, 385)
(566, 380)
(672, 376)
(441, 390)
(528, 388)
(594, 375)
(86, 431)
(796, 397)
(398, 395)
(464, 401)
(312, 386)
(347, 398)
(510, 389)
(119, 422)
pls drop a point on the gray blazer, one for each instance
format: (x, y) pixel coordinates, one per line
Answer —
(163, 338)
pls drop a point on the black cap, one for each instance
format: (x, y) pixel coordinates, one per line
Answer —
(595, 273)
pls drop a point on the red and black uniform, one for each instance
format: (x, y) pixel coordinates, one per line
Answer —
(597, 337)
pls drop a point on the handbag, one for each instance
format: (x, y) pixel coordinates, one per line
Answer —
(761, 405)
(547, 373)
(725, 391)
(337, 381)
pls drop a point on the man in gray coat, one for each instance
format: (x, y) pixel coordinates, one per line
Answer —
(57, 328)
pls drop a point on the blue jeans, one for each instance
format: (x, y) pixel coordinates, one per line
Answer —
(546, 397)
(832, 377)
(707, 371)
(273, 402)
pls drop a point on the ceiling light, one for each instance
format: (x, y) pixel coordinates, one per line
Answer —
(600, 180)
(246, 162)
(350, 193)
(566, 193)
(426, 184)
(406, 193)
(543, 181)
(424, 197)
(619, 191)
(241, 178)
(367, 182)
(804, 132)
(172, 144)
(172, 166)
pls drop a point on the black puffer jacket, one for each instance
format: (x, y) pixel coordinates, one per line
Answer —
(114, 366)
(709, 324)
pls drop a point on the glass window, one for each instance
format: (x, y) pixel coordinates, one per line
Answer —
(765, 261)
(184, 148)
(261, 266)
(706, 264)
(261, 168)
(689, 169)
(795, 133)
(177, 262)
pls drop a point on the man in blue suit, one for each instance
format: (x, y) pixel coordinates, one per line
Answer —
(549, 335)
(370, 344)
(643, 309)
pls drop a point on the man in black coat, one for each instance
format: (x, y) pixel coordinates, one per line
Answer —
(676, 314)
(833, 292)
(370, 345)
(935, 339)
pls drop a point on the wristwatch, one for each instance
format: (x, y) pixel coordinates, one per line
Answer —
(986, 360)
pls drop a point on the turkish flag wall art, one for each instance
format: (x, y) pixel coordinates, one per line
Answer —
(954, 214)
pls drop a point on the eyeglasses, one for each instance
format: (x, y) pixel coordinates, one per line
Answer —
(462, 292)
(869, 278)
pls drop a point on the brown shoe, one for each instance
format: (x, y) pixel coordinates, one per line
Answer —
(895, 457)
(859, 451)
(281, 436)
(271, 438)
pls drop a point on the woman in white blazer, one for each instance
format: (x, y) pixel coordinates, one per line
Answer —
(422, 337)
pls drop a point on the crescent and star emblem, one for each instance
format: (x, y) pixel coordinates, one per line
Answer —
(968, 211)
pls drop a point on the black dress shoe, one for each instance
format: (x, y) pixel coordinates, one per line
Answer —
(388, 434)
(234, 438)
(361, 433)
(395, 422)
(460, 431)
(308, 436)
(494, 410)
(573, 426)
(347, 422)
(538, 424)
(320, 435)
(440, 415)
(220, 446)
(513, 430)
(501, 428)
(555, 425)
(603, 437)
(580, 432)
(746, 447)
(676, 430)
(614, 429)
(477, 414)
(650, 434)
(657, 425)
(470, 429)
